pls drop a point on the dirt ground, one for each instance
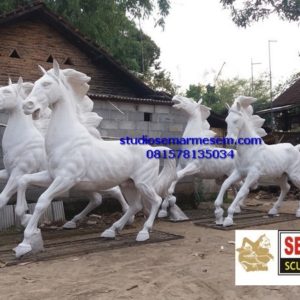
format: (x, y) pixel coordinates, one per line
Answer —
(191, 268)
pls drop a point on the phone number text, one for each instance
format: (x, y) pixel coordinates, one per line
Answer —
(190, 154)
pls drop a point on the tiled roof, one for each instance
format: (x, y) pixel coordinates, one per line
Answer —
(93, 50)
(290, 96)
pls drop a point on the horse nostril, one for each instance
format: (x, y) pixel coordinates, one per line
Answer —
(28, 105)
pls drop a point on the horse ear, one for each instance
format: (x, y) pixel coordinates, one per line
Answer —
(238, 106)
(56, 68)
(205, 111)
(246, 101)
(9, 81)
(200, 100)
(42, 69)
(227, 106)
(19, 84)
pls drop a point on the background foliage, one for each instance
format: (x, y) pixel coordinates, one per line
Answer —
(113, 25)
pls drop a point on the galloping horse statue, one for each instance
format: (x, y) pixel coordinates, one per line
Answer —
(77, 159)
(24, 147)
(198, 126)
(256, 163)
(22, 143)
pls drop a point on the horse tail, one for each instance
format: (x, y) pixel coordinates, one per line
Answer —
(167, 175)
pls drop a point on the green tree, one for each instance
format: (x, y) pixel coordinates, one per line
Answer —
(195, 91)
(251, 11)
(227, 90)
(111, 24)
(160, 80)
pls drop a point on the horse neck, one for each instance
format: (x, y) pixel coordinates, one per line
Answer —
(64, 121)
(248, 131)
(18, 122)
(193, 127)
(18, 132)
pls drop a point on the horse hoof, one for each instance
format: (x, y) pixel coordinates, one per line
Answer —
(22, 249)
(298, 213)
(142, 236)
(162, 214)
(228, 222)
(220, 221)
(108, 234)
(70, 225)
(36, 241)
(272, 212)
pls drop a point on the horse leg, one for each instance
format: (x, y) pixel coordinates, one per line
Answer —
(295, 179)
(284, 189)
(9, 189)
(233, 178)
(133, 197)
(170, 200)
(154, 200)
(242, 194)
(236, 188)
(116, 193)
(32, 235)
(95, 201)
(42, 179)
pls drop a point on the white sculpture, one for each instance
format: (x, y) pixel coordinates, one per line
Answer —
(197, 126)
(22, 144)
(76, 158)
(24, 148)
(256, 162)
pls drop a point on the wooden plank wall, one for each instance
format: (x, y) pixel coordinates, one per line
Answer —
(34, 40)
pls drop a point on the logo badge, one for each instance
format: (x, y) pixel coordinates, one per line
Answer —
(255, 255)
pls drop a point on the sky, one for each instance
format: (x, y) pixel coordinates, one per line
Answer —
(200, 36)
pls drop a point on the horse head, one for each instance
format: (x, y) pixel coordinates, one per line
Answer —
(238, 115)
(53, 86)
(191, 107)
(12, 95)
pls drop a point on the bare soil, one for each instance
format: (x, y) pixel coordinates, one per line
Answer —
(200, 266)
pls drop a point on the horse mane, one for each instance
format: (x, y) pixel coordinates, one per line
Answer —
(242, 104)
(78, 82)
(205, 113)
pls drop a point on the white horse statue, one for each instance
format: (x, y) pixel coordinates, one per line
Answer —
(76, 158)
(198, 126)
(24, 147)
(256, 163)
(22, 143)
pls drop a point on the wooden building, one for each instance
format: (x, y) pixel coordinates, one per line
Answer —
(286, 113)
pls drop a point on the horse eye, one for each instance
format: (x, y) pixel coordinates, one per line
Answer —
(45, 84)
(7, 91)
